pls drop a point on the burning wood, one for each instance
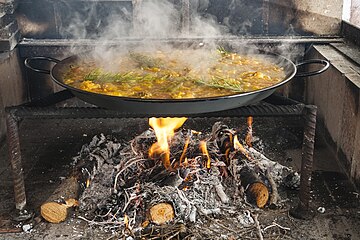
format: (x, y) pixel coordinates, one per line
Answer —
(55, 209)
(160, 194)
(164, 130)
(249, 135)
(206, 154)
(256, 190)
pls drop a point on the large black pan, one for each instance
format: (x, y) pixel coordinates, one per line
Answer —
(174, 106)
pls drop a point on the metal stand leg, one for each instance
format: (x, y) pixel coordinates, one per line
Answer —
(16, 166)
(303, 210)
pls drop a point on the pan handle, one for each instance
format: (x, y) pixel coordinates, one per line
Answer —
(30, 59)
(325, 64)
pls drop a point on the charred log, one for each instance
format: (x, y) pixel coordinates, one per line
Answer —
(255, 189)
(223, 137)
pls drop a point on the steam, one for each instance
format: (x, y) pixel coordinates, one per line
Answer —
(148, 22)
(156, 19)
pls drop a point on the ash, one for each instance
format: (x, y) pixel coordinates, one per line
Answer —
(121, 183)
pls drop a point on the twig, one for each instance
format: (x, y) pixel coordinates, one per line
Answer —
(220, 225)
(172, 236)
(114, 237)
(258, 228)
(245, 231)
(249, 135)
(278, 225)
(209, 211)
(128, 202)
(220, 192)
(11, 230)
(102, 216)
(99, 223)
(274, 224)
(274, 196)
(124, 168)
(192, 216)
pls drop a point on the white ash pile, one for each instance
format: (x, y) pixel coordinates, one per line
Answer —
(212, 193)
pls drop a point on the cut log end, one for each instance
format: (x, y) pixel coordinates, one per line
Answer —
(162, 213)
(259, 193)
(56, 212)
(256, 191)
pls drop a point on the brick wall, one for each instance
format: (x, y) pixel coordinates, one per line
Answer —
(56, 19)
(9, 32)
(336, 92)
(12, 87)
(355, 12)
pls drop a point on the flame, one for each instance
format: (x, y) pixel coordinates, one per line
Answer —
(164, 130)
(186, 162)
(195, 132)
(206, 153)
(238, 146)
(126, 221)
(249, 135)
(87, 182)
(183, 159)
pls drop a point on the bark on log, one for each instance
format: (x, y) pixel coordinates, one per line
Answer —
(255, 189)
(69, 188)
(274, 196)
(55, 208)
(223, 137)
(66, 195)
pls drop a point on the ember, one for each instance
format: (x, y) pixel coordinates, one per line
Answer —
(135, 189)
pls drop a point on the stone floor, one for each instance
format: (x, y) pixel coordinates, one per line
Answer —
(48, 145)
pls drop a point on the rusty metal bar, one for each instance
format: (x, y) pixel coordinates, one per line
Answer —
(303, 210)
(13, 141)
(265, 110)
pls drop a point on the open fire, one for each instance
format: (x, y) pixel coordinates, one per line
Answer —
(186, 184)
(164, 130)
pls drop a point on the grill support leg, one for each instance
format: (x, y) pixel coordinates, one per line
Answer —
(303, 210)
(13, 141)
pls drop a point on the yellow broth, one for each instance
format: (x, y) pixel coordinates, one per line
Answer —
(177, 74)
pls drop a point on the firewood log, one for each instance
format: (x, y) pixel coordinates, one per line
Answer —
(255, 189)
(161, 213)
(55, 208)
(57, 212)
(91, 158)
(223, 137)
